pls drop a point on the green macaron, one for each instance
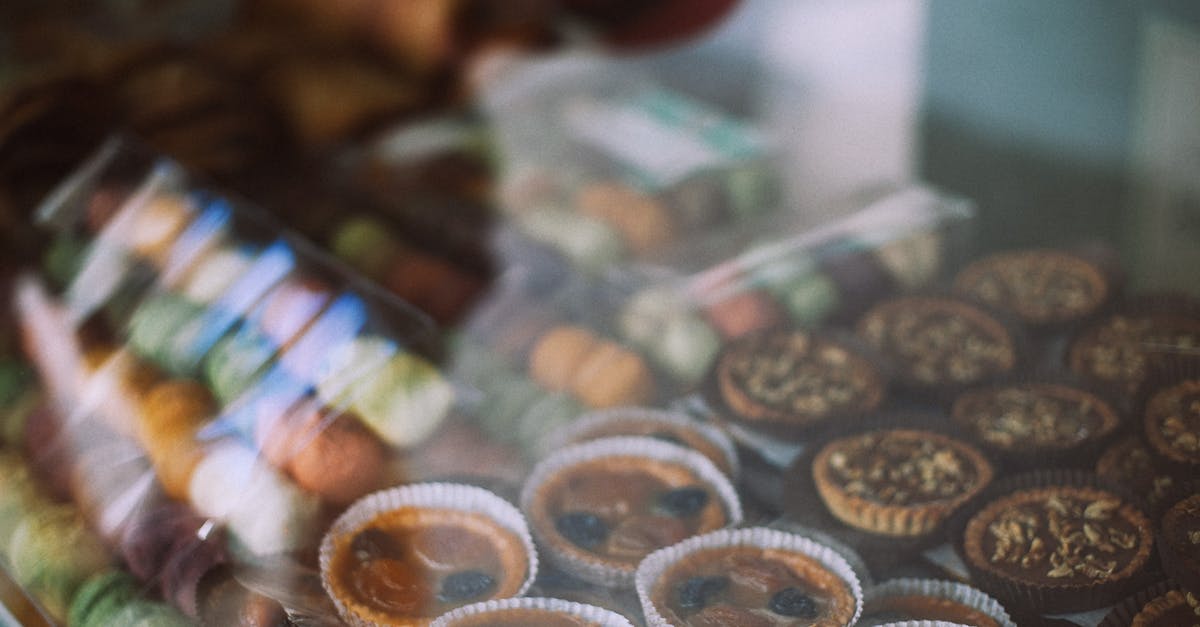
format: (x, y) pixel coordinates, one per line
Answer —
(52, 552)
(101, 597)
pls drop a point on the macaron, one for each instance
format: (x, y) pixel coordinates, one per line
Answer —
(349, 362)
(155, 225)
(18, 494)
(558, 355)
(237, 361)
(264, 511)
(366, 245)
(213, 273)
(327, 452)
(741, 312)
(290, 307)
(52, 552)
(598, 372)
(613, 375)
(404, 401)
(591, 244)
(101, 597)
(644, 223)
(433, 285)
(670, 330)
(172, 410)
(156, 323)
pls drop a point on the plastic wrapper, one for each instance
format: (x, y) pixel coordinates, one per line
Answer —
(215, 389)
(601, 165)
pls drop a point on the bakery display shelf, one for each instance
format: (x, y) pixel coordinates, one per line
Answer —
(864, 420)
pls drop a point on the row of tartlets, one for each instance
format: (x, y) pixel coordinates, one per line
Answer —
(603, 519)
(620, 512)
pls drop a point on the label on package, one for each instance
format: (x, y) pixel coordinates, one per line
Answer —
(661, 138)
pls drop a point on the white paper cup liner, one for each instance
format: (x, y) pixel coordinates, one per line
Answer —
(923, 623)
(595, 421)
(856, 562)
(597, 570)
(591, 613)
(657, 563)
(941, 589)
(449, 496)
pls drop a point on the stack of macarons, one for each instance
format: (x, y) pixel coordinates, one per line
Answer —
(160, 566)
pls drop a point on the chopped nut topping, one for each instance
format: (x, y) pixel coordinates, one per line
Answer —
(1063, 537)
(1033, 415)
(796, 374)
(901, 468)
(1128, 464)
(940, 341)
(1175, 413)
(1039, 286)
(1120, 349)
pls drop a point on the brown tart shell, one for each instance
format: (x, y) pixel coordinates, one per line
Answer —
(1037, 422)
(924, 459)
(1179, 543)
(786, 381)
(940, 344)
(1041, 287)
(1058, 547)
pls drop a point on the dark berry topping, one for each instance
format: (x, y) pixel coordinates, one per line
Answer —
(372, 543)
(793, 602)
(696, 592)
(683, 502)
(584, 529)
(465, 585)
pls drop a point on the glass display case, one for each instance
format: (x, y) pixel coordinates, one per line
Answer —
(578, 353)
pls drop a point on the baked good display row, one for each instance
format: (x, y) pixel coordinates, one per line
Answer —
(251, 431)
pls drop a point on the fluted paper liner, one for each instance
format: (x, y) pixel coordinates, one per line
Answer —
(597, 569)
(657, 563)
(451, 496)
(856, 562)
(941, 589)
(596, 615)
(1123, 613)
(594, 421)
(1046, 597)
(923, 623)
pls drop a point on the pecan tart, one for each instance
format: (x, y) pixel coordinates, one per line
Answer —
(1038, 286)
(790, 378)
(940, 342)
(1034, 419)
(1122, 349)
(1171, 609)
(900, 482)
(1058, 548)
(1180, 542)
(1172, 422)
(1127, 463)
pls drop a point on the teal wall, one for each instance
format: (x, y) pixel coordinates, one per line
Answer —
(1028, 108)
